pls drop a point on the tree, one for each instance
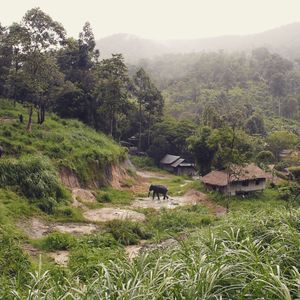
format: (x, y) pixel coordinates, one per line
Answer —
(265, 157)
(149, 100)
(255, 125)
(290, 107)
(112, 90)
(280, 140)
(44, 35)
(170, 136)
(202, 149)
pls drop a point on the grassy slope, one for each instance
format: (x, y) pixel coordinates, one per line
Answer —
(66, 142)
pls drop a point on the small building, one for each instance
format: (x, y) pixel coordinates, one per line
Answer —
(240, 180)
(177, 165)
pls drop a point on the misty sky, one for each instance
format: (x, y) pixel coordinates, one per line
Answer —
(161, 19)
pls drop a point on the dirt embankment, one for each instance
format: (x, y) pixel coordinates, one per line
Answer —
(114, 175)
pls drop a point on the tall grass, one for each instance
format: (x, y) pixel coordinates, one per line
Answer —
(257, 259)
(35, 177)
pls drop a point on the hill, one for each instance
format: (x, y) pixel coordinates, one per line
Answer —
(75, 152)
(283, 40)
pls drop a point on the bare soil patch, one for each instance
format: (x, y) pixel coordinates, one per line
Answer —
(192, 197)
(81, 196)
(7, 120)
(68, 178)
(135, 250)
(36, 228)
(151, 174)
(60, 257)
(30, 250)
(110, 213)
(75, 228)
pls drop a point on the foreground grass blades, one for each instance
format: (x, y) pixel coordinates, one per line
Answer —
(257, 259)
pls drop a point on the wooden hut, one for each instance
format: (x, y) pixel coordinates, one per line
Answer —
(239, 180)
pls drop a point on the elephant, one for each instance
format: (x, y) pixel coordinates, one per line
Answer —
(158, 189)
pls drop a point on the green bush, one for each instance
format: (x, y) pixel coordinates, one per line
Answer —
(265, 157)
(57, 241)
(143, 162)
(13, 262)
(128, 232)
(295, 171)
(36, 178)
(105, 197)
(100, 240)
(174, 221)
(281, 166)
(110, 195)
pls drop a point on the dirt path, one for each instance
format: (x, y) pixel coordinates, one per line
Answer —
(192, 197)
(109, 213)
(36, 228)
(151, 174)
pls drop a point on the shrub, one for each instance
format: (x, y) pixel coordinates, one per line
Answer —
(58, 241)
(127, 232)
(179, 219)
(100, 240)
(36, 178)
(265, 157)
(281, 166)
(104, 198)
(114, 196)
(12, 260)
(295, 171)
(143, 162)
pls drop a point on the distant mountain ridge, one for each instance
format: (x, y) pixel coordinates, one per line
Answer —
(284, 40)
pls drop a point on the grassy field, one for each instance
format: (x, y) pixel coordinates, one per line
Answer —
(250, 255)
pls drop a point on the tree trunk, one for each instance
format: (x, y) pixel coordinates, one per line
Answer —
(38, 116)
(111, 123)
(29, 124)
(149, 131)
(42, 114)
(140, 126)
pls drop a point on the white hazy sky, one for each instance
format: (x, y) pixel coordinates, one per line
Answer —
(161, 19)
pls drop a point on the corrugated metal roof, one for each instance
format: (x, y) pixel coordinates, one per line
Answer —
(169, 159)
(185, 164)
(177, 162)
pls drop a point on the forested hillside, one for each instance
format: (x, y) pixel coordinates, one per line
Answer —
(282, 40)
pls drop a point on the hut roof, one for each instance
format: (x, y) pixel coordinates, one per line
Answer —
(238, 173)
(186, 164)
(169, 159)
(177, 162)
